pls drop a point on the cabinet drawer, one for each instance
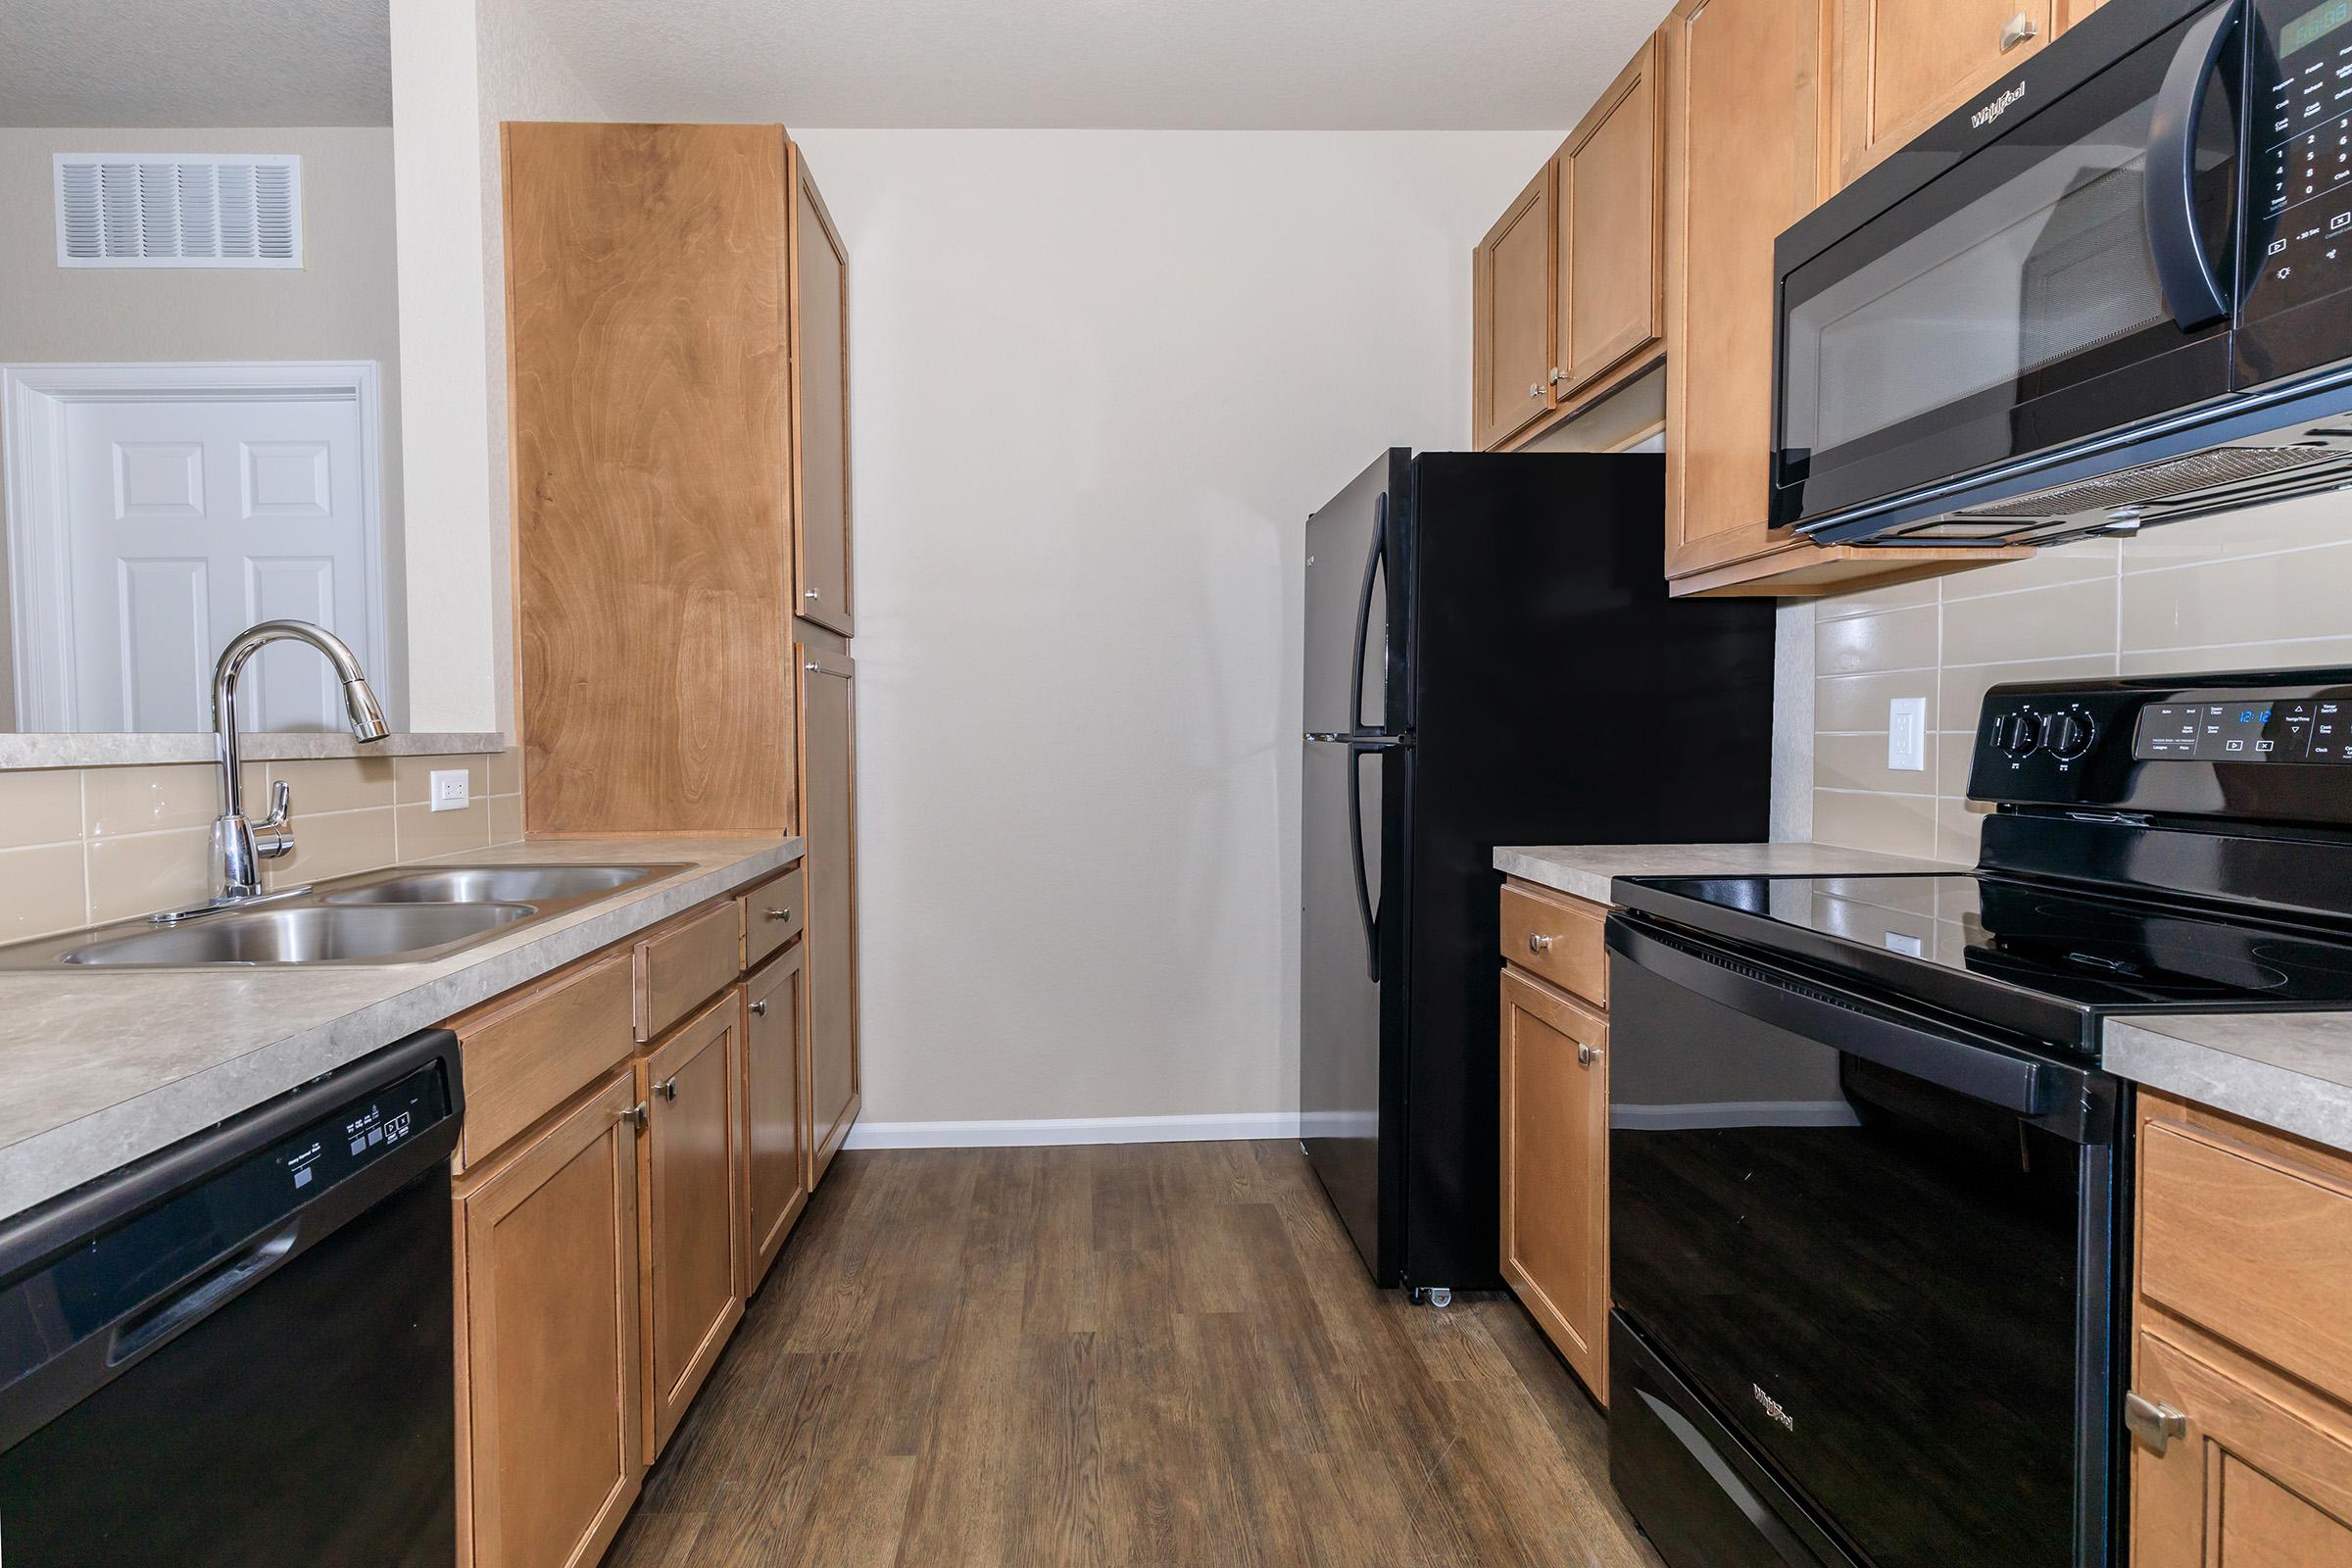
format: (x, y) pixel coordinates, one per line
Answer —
(772, 914)
(527, 1055)
(2251, 1242)
(1557, 937)
(686, 964)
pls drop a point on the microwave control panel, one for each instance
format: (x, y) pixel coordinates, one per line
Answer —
(2299, 186)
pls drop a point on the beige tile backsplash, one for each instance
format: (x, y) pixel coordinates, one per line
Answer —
(2264, 589)
(80, 845)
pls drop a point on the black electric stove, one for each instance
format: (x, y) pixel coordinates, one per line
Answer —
(1866, 1177)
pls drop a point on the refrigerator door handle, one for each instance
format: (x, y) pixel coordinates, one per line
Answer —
(1364, 912)
(1363, 622)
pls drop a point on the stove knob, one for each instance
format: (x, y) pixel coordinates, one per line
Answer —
(2018, 734)
(2067, 735)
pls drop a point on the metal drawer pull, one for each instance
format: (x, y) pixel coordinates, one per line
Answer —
(779, 914)
(667, 1088)
(1585, 1055)
(2021, 28)
(760, 1008)
(638, 1115)
(1538, 942)
(2155, 1425)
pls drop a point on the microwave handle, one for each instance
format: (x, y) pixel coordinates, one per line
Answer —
(2186, 273)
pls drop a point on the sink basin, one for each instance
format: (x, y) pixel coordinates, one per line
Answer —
(401, 914)
(488, 884)
(307, 934)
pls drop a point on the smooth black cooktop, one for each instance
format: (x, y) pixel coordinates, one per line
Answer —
(2011, 954)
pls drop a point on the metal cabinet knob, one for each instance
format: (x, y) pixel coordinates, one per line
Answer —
(1587, 1056)
(667, 1088)
(779, 914)
(760, 1007)
(1534, 389)
(638, 1115)
(1537, 942)
(2020, 27)
(2153, 1423)
(1559, 375)
(811, 592)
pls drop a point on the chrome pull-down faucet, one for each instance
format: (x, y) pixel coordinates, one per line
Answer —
(239, 846)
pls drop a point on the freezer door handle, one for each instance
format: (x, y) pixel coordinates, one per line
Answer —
(1364, 618)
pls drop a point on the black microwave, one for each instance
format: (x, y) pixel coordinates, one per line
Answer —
(2113, 291)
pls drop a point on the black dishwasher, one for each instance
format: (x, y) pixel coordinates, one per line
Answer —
(239, 1350)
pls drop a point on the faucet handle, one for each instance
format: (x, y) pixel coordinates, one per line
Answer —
(271, 836)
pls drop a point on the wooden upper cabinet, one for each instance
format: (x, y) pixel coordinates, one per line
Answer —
(550, 1444)
(651, 443)
(1611, 215)
(1511, 308)
(1743, 112)
(1904, 65)
(692, 1233)
(829, 769)
(821, 409)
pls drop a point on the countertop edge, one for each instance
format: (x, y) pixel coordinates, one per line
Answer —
(1587, 870)
(58, 1159)
(2263, 1092)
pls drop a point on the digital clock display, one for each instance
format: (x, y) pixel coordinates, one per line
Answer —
(2312, 25)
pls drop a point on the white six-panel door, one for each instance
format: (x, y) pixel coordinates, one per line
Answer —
(177, 522)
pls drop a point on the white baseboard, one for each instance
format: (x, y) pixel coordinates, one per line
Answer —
(1073, 1130)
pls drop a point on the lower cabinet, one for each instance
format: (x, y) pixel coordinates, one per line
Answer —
(2240, 1414)
(1555, 1151)
(828, 718)
(690, 1232)
(774, 1073)
(549, 1349)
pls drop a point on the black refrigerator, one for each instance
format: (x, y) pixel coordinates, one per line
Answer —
(1491, 658)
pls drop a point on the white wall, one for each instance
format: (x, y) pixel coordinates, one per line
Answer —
(341, 304)
(1099, 379)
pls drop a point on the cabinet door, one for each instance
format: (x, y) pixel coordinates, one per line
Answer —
(1742, 164)
(551, 1452)
(1904, 65)
(1510, 330)
(829, 770)
(1555, 1174)
(774, 1068)
(2253, 1480)
(693, 1227)
(820, 408)
(1611, 229)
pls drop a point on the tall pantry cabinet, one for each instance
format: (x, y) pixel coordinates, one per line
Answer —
(677, 338)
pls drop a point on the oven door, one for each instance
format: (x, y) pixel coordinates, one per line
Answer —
(2017, 290)
(1874, 1253)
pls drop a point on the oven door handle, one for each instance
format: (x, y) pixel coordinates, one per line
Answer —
(2048, 1092)
(2192, 291)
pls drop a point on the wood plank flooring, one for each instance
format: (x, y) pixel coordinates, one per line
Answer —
(1118, 1357)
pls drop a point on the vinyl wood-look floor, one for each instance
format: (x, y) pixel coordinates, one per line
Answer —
(1162, 1354)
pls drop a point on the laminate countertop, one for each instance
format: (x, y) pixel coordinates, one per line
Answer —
(104, 1067)
(1585, 870)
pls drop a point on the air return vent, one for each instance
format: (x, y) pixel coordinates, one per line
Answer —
(179, 210)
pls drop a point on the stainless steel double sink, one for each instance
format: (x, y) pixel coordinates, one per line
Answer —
(396, 915)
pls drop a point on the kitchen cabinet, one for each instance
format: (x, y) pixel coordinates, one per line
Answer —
(1565, 302)
(1745, 113)
(550, 1452)
(1511, 304)
(2240, 1406)
(775, 1067)
(690, 1232)
(1904, 65)
(1554, 1127)
(821, 406)
(828, 708)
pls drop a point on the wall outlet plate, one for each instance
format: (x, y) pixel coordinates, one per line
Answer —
(450, 789)
(1907, 734)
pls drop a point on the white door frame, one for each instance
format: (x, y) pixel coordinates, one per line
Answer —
(33, 403)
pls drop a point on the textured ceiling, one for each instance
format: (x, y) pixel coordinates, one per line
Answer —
(139, 63)
(1176, 63)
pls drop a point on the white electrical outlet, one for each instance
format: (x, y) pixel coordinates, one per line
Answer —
(450, 789)
(1907, 734)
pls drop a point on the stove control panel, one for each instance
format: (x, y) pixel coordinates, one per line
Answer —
(2233, 745)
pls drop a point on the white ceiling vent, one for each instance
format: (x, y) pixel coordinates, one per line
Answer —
(179, 210)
